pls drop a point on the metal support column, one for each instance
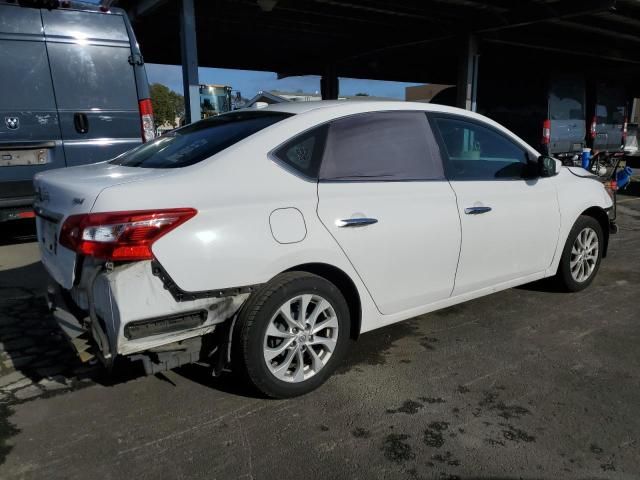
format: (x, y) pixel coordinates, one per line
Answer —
(189, 52)
(329, 84)
(468, 74)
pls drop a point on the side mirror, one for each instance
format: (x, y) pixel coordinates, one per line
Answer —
(546, 166)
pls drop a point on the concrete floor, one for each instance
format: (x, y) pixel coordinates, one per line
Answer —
(526, 383)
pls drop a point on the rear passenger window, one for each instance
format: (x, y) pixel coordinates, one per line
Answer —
(381, 146)
(303, 153)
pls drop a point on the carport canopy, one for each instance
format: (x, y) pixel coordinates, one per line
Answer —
(422, 41)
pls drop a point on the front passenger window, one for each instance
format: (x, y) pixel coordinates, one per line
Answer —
(475, 152)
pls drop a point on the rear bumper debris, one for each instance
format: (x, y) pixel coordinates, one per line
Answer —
(126, 311)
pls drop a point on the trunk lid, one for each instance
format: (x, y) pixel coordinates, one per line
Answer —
(72, 191)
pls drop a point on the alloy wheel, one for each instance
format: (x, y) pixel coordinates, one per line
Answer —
(584, 255)
(300, 338)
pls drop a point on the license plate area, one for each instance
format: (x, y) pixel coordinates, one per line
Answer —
(49, 236)
(22, 157)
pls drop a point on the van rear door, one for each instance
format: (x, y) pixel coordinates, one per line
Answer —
(567, 114)
(94, 83)
(609, 117)
(29, 132)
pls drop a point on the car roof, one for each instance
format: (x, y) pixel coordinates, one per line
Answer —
(342, 105)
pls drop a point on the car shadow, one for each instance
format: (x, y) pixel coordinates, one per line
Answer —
(17, 231)
(546, 285)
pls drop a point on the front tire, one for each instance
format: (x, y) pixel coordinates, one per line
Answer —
(291, 334)
(581, 255)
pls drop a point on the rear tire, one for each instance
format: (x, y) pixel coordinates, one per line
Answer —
(282, 352)
(581, 255)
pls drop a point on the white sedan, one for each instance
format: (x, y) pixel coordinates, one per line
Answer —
(265, 240)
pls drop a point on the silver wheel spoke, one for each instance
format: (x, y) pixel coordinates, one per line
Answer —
(274, 331)
(331, 322)
(285, 311)
(271, 353)
(316, 361)
(298, 374)
(317, 310)
(281, 370)
(330, 343)
(304, 305)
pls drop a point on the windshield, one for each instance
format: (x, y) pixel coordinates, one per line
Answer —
(198, 141)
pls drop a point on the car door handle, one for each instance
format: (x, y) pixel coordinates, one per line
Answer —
(356, 222)
(476, 210)
(81, 122)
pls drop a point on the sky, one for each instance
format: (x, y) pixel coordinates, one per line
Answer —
(249, 82)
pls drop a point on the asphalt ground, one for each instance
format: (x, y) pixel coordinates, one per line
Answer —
(526, 383)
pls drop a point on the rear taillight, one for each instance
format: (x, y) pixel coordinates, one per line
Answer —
(546, 132)
(120, 236)
(611, 186)
(146, 120)
(592, 129)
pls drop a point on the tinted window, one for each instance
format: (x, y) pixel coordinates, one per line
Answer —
(381, 146)
(198, 141)
(304, 152)
(478, 152)
(611, 105)
(566, 98)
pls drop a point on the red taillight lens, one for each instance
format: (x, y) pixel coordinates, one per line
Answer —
(146, 120)
(592, 129)
(546, 132)
(611, 187)
(120, 236)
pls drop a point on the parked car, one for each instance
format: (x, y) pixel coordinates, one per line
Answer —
(74, 91)
(608, 108)
(267, 239)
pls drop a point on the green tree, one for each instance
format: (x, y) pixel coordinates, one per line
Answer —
(167, 104)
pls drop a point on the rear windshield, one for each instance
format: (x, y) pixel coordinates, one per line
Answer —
(198, 141)
(610, 107)
(566, 99)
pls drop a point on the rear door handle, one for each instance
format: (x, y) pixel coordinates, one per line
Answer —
(356, 222)
(476, 210)
(81, 122)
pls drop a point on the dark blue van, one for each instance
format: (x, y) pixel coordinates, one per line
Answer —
(73, 90)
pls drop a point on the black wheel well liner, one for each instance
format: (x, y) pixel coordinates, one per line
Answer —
(346, 286)
(601, 216)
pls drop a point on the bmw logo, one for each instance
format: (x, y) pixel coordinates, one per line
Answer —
(12, 123)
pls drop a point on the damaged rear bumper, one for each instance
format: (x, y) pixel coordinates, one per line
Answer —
(127, 311)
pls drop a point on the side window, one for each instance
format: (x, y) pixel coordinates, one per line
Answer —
(475, 152)
(303, 153)
(382, 146)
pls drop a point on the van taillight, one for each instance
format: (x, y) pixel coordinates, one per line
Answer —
(546, 132)
(146, 120)
(592, 129)
(120, 236)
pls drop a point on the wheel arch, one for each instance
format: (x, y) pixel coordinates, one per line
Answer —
(599, 214)
(346, 286)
